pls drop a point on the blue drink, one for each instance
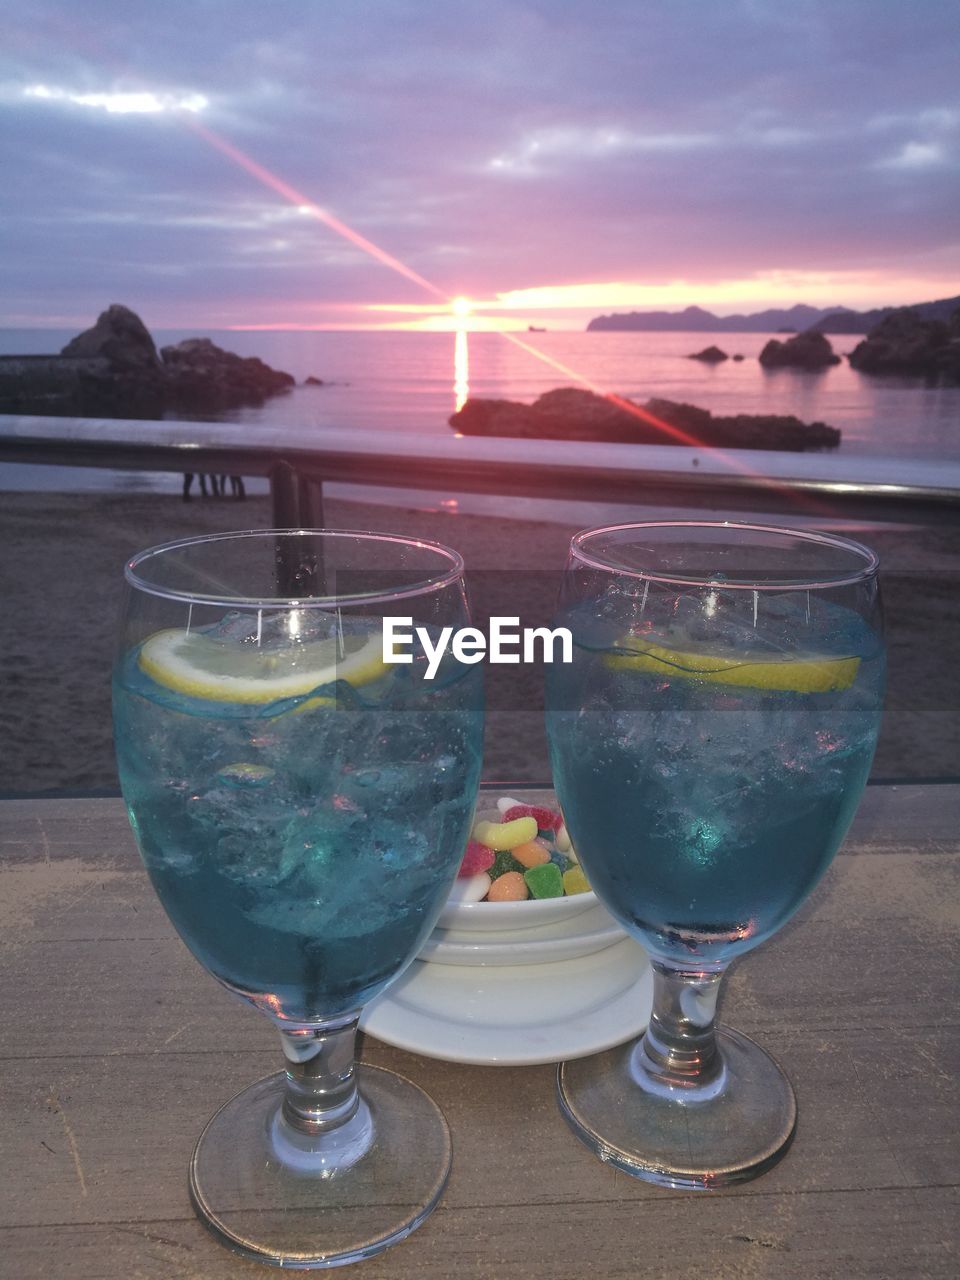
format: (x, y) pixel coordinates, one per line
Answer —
(302, 845)
(302, 807)
(710, 742)
(708, 773)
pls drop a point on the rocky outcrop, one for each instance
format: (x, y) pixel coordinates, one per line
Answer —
(121, 338)
(905, 343)
(808, 350)
(114, 370)
(200, 376)
(709, 355)
(568, 413)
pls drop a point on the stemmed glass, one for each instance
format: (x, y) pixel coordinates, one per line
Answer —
(710, 742)
(302, 807)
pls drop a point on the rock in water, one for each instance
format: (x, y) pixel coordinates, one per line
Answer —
(710, 355)
(568, 413)
(906, 344)
(113, 370)
(808, 350)
(201, 375)
(120, 337)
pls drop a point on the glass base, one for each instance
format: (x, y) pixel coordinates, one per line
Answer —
(734, 1132)
(281, 1197)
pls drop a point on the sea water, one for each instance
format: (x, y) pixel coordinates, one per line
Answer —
(703, 812)
(303, 848)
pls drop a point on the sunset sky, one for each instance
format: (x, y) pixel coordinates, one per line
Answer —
(215, 163)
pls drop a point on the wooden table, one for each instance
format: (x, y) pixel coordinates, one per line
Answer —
(116, 1048)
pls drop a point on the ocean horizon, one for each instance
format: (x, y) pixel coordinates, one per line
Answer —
(403, 381)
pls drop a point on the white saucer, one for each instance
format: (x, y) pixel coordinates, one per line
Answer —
(567, 1009)
(566, 940)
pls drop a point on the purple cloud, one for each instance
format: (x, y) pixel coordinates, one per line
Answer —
(490, 148)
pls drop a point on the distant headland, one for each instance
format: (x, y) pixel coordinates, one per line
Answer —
(789, 319)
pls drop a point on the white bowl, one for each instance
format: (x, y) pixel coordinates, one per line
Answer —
(503, 917)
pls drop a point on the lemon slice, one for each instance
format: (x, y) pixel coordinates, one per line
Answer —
(194, 664)
(812, 674)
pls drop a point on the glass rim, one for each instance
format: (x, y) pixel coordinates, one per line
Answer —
(436, 582)
(801, 583)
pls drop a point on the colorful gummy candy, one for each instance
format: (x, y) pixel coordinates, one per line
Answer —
(510, 887)
(574, 881)
(532, 854)
(470, 888)
(545, 881)
(477, 858)
(506, 835)
(546, 819)
(527, 854)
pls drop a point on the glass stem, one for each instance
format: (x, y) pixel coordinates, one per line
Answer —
(321, 1088)
(678, 1054)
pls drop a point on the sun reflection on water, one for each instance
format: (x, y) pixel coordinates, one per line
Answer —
(461, 370)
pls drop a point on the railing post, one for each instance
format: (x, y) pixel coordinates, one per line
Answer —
(297, 498)
(311, 502)
(285, 494)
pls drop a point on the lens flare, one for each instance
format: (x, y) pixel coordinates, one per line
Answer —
(307, 206)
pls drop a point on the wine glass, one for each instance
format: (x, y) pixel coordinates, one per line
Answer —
(302, 807)
(709, 742)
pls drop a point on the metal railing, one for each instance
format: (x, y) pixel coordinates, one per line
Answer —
(298, 462)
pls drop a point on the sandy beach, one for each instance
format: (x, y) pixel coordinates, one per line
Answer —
(61, 573)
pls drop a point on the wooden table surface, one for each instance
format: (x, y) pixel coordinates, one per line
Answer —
(116, 1048)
